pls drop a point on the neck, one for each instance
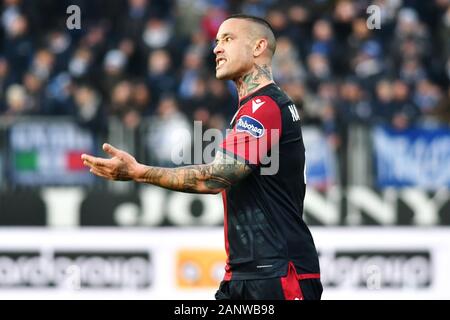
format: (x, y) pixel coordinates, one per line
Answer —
(259, 76)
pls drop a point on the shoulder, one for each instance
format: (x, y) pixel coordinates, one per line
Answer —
(277, 95)
(262, 106)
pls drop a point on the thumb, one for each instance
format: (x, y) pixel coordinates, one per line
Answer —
(110, 149)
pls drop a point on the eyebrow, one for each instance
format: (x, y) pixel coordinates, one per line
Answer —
(223, 36)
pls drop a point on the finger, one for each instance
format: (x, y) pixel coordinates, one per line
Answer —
(88, 162)
(88, 159)
(85, 156)
(99, 173)
(96, 162)
(111, 150)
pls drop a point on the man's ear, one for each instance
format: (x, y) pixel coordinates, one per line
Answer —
(260, 47)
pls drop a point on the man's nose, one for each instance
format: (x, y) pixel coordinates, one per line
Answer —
(217, 49)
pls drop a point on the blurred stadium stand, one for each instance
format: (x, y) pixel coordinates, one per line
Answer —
(138, 60)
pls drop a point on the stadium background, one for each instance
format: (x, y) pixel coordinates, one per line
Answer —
(375, 104)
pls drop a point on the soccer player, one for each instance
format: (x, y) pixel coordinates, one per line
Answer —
(271, 253)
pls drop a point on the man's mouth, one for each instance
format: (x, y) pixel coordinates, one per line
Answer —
(220, 62)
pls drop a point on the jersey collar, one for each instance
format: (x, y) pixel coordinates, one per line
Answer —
(245, 99)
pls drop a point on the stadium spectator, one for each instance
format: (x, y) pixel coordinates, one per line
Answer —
(114, 66)
(169, 132)
(442, 110)
(6, 80)
(160, 73)
(405, 112)
(87, 108)
(17, 43)
(426, 97)
(59, 45)
(383, 105)
(80, 64)
(142, 98)
(33, 85)
(287, 62)
(17, 101)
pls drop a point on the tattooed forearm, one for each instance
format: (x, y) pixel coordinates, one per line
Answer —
(252, 80)
(208, 178)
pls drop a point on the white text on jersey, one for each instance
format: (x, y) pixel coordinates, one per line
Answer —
(294, 112)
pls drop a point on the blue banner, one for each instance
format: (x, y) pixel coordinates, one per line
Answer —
(414, 157)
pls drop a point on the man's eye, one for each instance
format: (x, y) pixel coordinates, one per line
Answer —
(227, 39)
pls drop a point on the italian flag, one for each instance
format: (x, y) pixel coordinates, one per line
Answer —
(68, 160)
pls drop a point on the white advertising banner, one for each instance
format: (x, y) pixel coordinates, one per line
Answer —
(187, 263)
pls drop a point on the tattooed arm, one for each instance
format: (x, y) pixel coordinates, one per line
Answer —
(205, 178)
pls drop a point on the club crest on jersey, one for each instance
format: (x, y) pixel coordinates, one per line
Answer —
(250, 125)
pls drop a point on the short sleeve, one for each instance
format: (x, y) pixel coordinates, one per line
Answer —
(256, 129)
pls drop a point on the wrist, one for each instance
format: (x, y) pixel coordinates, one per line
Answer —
(139, 172)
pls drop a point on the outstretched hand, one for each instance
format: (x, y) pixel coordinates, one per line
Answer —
(122, 166)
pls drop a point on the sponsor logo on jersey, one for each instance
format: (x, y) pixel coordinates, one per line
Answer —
(256, 104)
(250, 125)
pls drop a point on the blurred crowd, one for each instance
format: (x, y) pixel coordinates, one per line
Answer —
(134, 59)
